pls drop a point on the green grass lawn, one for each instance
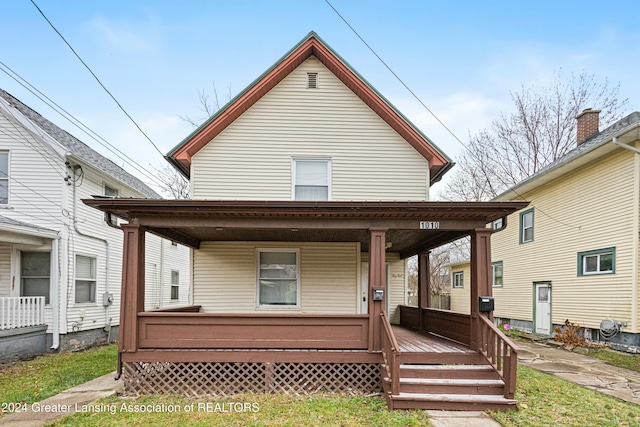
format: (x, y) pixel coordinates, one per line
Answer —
(45, 376)
(615, 358)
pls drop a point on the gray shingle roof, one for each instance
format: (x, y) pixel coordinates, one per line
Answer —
(594, 141)
(9, 221)
(79, 148)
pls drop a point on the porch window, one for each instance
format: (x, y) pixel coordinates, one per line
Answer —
(175, 285)
(458, 278)
(496, 273)
(601, 261)
(85, 279)
(526, 226)
(35, 273)
(278, 277)
(311, 179)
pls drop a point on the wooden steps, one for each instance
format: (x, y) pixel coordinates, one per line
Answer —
(449, 387)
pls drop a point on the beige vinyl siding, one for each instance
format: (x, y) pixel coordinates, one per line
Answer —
(369, 160)
(591, 208)
(224, 278)
(461, 297)
(397, 285)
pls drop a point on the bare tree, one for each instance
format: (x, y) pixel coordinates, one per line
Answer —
(209, 105)
(438, 271)
(175, 186)
(541, 129)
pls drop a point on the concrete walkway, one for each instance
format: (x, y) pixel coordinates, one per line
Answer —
(577, 368)
(65, 403)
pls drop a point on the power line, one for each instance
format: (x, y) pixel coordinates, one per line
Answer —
(96, 78)
(80, 125)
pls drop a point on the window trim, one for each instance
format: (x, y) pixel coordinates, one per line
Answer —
(294, 173)
(521, 227)
(76, 278)
(22, 276)
(174, 285)
(275, 306)
(8, 178)
(493, 274)
(581, 263)
(459, 274)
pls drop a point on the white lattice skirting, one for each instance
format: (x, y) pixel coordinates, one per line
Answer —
(225, 379)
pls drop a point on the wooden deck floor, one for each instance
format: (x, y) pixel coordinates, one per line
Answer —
(413, 342)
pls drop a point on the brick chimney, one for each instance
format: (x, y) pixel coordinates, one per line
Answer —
(588, 124)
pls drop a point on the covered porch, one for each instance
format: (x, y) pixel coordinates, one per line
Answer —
(356, 350)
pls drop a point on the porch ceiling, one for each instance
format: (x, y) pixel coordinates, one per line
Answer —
(193, 221)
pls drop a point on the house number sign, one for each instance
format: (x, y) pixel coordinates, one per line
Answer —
(429, 225)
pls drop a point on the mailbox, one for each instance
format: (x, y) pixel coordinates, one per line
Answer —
(378, 294)
(485, 304)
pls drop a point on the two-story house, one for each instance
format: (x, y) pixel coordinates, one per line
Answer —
(309, 193)
(60, 264)
(573, 254)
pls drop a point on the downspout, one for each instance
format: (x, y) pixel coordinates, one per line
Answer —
(107, 320)
(55, 262)
(636, 233)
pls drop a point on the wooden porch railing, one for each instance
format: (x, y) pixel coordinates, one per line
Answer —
(19, 312)
(179, 309)
(180, 330)
(449, 324)
(501, 353)
(391, 357)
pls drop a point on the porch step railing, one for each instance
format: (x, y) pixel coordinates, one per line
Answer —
(391, 358)
(19, 312)
(501, 353)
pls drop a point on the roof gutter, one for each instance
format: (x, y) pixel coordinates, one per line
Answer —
(179, 166)
(627, 146)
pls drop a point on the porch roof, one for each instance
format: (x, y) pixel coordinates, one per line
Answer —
(192, 221)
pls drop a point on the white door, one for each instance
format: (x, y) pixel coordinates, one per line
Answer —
(364, 286)
(543, 308)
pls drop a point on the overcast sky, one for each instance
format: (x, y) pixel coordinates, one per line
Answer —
(462, 58)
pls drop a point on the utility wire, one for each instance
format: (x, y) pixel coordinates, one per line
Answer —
(427, 108)
(80, 125)
(96, 77)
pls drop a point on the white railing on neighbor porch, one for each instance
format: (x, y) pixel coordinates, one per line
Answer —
(18, 312)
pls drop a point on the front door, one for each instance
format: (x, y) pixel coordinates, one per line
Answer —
(542, 308)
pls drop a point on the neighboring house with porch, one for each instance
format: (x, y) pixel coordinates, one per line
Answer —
(60, 264)
(574, 252)
(309, 193)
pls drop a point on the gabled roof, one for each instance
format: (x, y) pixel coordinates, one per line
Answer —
(591, 149)
(78, 148)
(311, 45)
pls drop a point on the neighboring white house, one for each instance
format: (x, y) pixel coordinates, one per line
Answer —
(60, 262)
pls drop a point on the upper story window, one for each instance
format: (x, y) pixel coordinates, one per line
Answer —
(311, 179)
(496, 274)
(110, 191)
(175, 285)
(526, 226)
(35, 274)
(278, 277)
(458, 279)
(601, 261)
(4, 177)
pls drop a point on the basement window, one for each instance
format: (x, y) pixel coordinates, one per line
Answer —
(312, 80)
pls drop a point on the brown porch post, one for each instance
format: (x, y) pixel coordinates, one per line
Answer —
(132, 295)
(424, 286)
(481, 282)
(377, 281)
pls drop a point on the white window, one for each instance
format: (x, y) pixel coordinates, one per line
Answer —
(110, 192)
(85, 279)
(311, 179)
(4, 177)
(601, 261)
(175, 285)
(496, 272)
(35, 272)
(458, 279)
(278, 277)
(526, 226)
(497, 224)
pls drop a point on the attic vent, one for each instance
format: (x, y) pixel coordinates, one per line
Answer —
(312, 80)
